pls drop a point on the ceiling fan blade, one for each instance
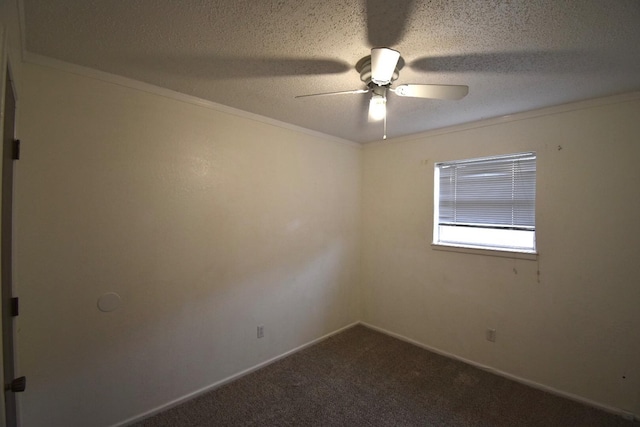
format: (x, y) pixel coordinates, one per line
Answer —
(383, 64)
(451, 92)
(387, 21)
(342, 92)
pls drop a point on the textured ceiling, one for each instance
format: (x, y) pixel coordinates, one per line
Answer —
(257, 55)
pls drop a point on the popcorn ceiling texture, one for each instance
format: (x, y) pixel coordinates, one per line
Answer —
(258, 55)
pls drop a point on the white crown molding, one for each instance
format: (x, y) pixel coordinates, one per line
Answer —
(49, 62)
(525, 115)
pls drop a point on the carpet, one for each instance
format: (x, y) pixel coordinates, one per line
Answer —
(361, 377)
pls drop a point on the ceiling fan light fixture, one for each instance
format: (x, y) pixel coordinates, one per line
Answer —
(377, 107)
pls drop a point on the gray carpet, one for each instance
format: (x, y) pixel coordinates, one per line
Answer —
(361, 377)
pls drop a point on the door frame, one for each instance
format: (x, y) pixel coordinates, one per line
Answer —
(8, 99)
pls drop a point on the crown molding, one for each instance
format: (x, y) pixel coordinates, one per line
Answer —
(525, 115)
(49, 62)
(178, 96)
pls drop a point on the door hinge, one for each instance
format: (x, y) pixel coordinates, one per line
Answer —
(17, 386)
(16, 149)
(15, 306)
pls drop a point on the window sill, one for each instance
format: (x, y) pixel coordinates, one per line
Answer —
(533, 256)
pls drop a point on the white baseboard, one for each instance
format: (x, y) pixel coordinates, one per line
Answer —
(226, 380)
(539, 386)
(543, 387)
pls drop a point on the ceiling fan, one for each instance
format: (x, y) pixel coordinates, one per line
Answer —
(378, 71)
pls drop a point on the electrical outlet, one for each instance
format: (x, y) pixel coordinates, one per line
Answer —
(260, 331)
(491, 335)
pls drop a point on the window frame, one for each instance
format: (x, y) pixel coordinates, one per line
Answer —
(529, 252)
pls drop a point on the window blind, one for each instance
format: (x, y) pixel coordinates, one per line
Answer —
(494, 192)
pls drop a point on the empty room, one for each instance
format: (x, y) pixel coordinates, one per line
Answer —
(300, 212)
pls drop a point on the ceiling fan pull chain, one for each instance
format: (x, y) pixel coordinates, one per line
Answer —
(384, 133)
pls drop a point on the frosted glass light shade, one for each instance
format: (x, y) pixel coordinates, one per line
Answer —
(377, 107)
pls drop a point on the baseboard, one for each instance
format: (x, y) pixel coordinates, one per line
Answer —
(539, 386)
(226, 380)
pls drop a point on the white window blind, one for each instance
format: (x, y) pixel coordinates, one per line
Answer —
(477, 196)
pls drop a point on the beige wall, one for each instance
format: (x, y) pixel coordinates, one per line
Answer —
(569, 320)
(205, 223)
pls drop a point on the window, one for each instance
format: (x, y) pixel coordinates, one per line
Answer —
(486, 203)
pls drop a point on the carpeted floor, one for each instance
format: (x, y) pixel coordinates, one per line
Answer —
(361, 377)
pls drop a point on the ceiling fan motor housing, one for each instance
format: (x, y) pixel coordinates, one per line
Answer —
(364, 68)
